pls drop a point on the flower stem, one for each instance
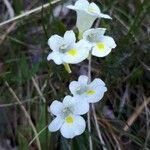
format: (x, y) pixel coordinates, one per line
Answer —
(67, 67)
(88, 114)
(94, 113)
(80, 35)
(97, 128)
(89, 129)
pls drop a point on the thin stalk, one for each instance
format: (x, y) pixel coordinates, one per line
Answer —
(97, 128)
(88, 114)
(38, 90)
(93, 113)
(67, 68)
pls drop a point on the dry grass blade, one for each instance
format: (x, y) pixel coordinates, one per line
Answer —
(15, 103)
(2, 38)
(9, 8)
(145, 66)
(136, 113)
(26, 114)
(105, 124)
(37, 135)
(38, 90)
(28, 13)
(97, 128)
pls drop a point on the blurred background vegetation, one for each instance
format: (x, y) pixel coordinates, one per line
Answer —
(29, 83)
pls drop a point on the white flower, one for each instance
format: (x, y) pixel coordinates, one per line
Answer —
(101, 45)
(68, 118)
(90, 92)
(65, 50)
(87, 13)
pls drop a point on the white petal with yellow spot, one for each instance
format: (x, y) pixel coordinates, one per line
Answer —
(91, 92)
(101, 45)
(65, 50)
(74, 125)
(68, 118)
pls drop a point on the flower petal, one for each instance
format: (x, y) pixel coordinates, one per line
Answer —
(98, 86)
(56, 107)
(69, 37)
(81, 107)
(55, 124)
(97, 81)
(73, 86)
(55, 41)
(68, 101)
(93, 34)
(81, 4)
(76, 54)
(93, 9)
(74, 129)
(84, 21)
(83, 79)
(101, 15)
(101, 52)
(98, 95)
(56, 57)
(109, 41)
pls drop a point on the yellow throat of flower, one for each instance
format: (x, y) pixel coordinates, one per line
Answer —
(69, 119)
(72, 52)
(90, 92)
(100, 45)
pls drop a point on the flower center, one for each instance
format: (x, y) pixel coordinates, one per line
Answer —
(67, 110)
(80, 90)
(90, 92)
(69, 119)
(100, 45)
(93, 37)
(72, 52)
(63, 48)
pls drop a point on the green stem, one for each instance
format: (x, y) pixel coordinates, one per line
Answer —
(80, 35)
(67, 67)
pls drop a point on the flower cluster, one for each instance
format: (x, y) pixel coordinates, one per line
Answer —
(69, 50)
(68, 112)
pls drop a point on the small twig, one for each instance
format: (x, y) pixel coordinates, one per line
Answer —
(26, 114)
(22, 103)
(28, 13)
(136, 113)
(38, 90)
